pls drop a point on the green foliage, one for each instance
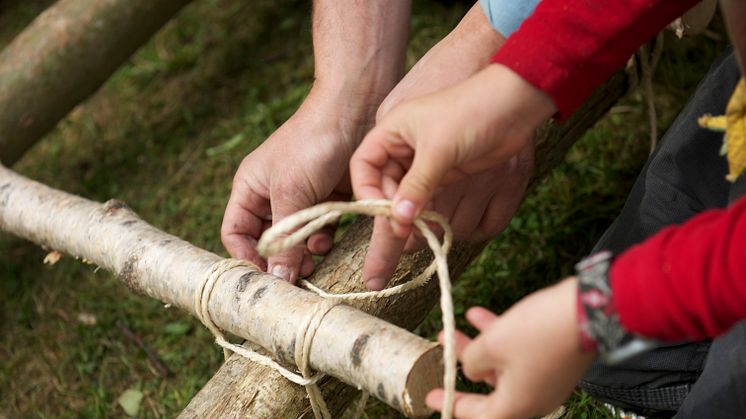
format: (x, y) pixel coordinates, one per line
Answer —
(166, 134)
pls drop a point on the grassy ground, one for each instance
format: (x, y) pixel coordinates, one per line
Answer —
(166, 133)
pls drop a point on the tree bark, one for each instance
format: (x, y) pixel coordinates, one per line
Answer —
(358, 348)
(241, 389)
(64, 56)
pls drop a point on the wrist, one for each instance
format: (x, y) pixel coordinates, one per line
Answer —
(530, 105)
(599, 326)
(337, 115)
(514, 108)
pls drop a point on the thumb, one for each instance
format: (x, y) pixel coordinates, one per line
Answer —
(417, 187)
(287, 264)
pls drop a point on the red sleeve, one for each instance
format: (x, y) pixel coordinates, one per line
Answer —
(687, 282)
(567, 48)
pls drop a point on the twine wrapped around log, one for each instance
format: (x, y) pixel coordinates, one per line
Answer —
(278, 239)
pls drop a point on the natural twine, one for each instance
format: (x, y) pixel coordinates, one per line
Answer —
(303, 224)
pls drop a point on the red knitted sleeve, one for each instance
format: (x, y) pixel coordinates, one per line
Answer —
(567, 48)
(687, 282)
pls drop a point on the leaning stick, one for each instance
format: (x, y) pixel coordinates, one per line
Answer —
(390, 362)
(63, 57)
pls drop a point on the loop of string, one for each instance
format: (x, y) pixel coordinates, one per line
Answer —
(304, 223)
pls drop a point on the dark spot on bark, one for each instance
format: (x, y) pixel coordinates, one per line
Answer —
(291, 348)
(4, 195)
(281, 355)
(258, 294)
(396, 404)
(243, 282)
(113, 205)
(356, 354)
(127, 274)
(26, 121)
(164, 242)
(381, 392)
(128, 223)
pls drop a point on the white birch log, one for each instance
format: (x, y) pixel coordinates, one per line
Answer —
(359, 349)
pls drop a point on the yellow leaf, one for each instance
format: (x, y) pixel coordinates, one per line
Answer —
(735, 136)
(713, 123)
(734, 125)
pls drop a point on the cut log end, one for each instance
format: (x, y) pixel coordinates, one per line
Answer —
(421, 380)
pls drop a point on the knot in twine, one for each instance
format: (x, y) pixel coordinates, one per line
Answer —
(294, 230)
(202, 297)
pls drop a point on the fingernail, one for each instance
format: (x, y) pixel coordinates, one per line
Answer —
(281, 272)
(375, 284)
(405, 209)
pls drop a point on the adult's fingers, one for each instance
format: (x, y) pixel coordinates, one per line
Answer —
(243, 224)
(466, 405)
(306, 265)
(383, 255)
(285, 202)
(321, 242)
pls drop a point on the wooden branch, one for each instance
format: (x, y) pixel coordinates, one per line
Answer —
(242, 389)
(64, 56)
(349, 344)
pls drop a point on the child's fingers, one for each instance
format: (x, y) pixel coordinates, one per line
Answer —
(480, 317)
(418, 186)
(462, 341)
(466, 405)
(477, 361)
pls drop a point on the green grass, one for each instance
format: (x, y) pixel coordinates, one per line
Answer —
(166, 134)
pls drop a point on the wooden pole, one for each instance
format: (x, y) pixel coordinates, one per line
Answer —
(64, 56)
(241, 389)
(358, 348)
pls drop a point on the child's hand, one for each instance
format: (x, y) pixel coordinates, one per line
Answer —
(531, 355)
(468, 128)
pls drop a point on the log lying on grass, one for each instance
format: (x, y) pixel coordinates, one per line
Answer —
(349, 344)
(241, 389)
(64, 55)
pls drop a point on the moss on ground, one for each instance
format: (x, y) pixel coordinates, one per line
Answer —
(166, 134)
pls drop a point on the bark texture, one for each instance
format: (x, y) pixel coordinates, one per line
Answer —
(349, 344)
(241, 389)
(64, 56)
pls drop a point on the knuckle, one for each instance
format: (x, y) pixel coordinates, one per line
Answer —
(418, 182)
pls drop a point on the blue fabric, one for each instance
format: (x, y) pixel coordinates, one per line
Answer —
(507, 15)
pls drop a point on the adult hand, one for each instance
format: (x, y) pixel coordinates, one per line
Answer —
(301, 164)
(478, 132)
(358, 57)
(530, 355)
